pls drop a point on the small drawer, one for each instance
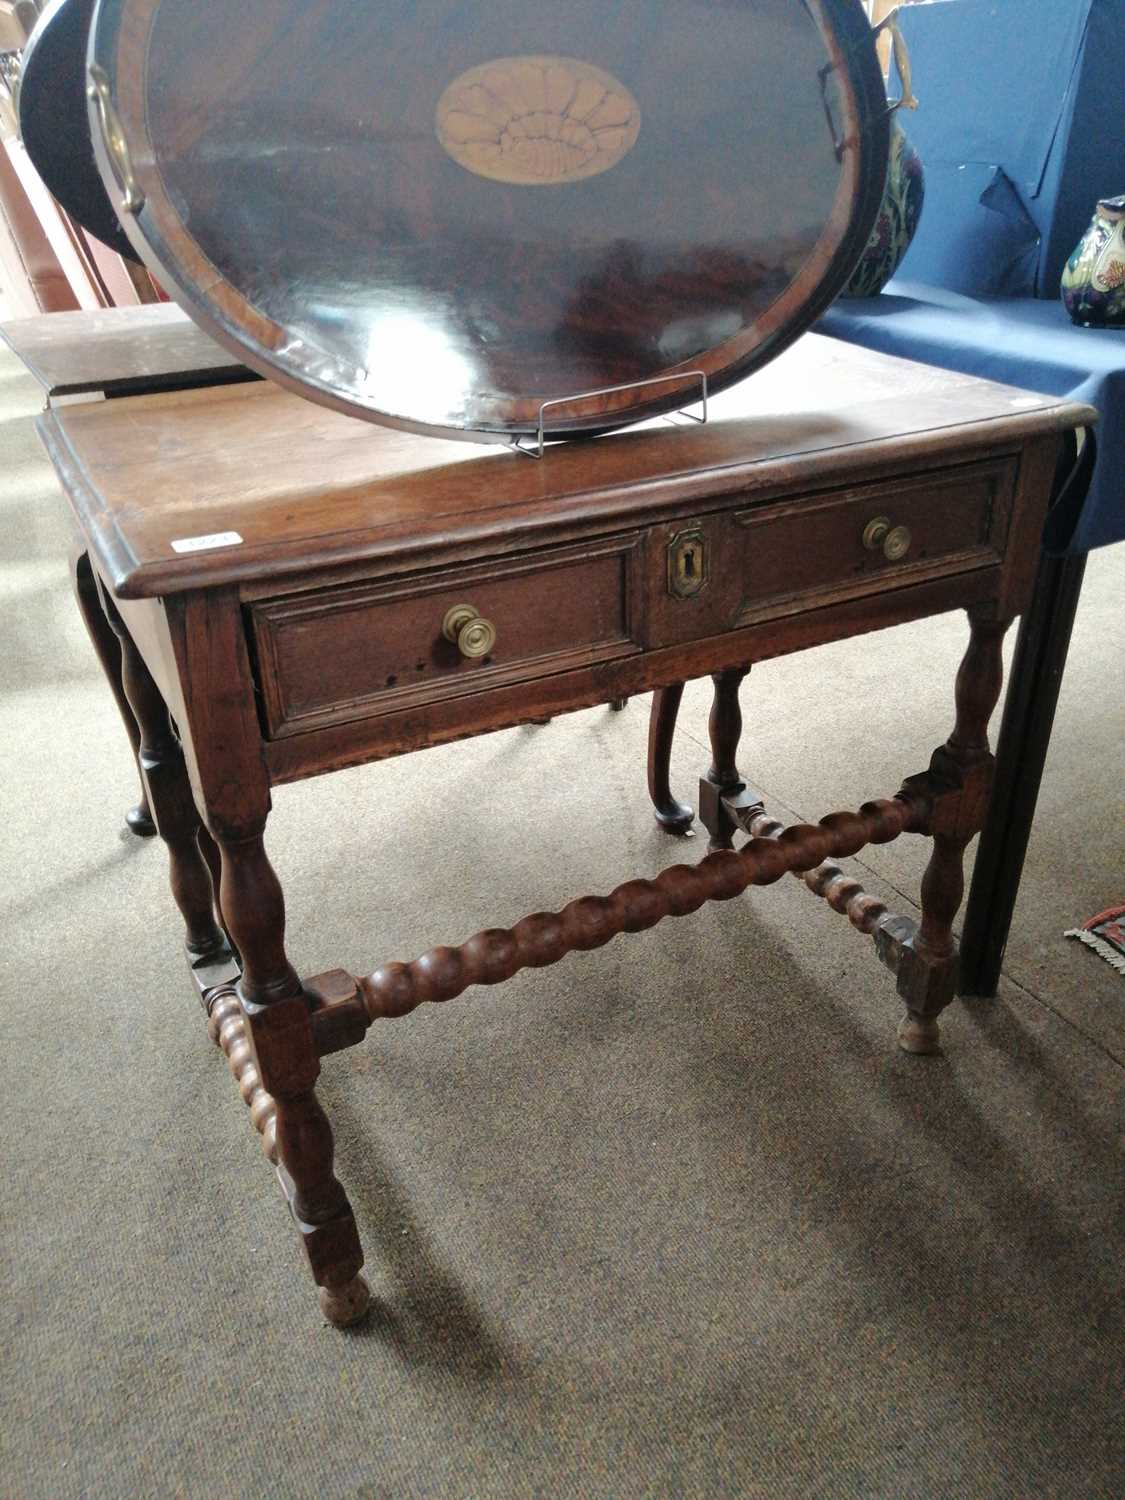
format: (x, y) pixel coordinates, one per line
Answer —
(362, 650)
(897, 531)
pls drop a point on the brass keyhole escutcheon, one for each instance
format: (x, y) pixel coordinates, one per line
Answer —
(470, 632)
(687, 563)
(893, 541)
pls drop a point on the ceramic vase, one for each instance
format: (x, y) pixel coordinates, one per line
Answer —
(897, 218)
(1093, 283)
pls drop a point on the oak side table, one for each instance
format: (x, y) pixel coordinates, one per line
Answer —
(295, 591)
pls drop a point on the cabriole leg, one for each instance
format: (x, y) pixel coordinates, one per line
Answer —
(138, 819)
(165, 778)
(673, 816)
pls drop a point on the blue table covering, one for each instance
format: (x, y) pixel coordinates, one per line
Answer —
(1021, 341)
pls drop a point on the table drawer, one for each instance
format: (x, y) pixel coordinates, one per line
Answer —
(849, 543)
(361, 650)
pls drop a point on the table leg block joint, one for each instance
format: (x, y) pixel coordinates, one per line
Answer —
(338, 1017)
(723, 811)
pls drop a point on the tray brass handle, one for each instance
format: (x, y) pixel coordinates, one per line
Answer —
(889, 23)
(132, 199)
(893, 541)
(470, 632)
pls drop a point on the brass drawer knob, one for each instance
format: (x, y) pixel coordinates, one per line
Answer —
(892, 541)
(470, 632)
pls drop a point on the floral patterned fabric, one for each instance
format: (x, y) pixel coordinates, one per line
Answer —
(1105, 934)
(898, 218)
(1093, 284)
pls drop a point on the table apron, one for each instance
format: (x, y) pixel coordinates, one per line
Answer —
(335, 746)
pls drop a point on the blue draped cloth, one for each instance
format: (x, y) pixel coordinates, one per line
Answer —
(1021, 341)
(1020, 132)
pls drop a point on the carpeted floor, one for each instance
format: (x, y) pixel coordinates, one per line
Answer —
(673, 1219)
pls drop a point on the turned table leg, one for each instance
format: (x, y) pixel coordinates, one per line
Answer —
(286, 1063)
(104, 641)
(673, 816)
(723, 781)
(965, 761)
(264, 1021)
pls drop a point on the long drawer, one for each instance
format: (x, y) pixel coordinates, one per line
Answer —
(749, 563)
(386, 646)
(843, 544)
(376, 648)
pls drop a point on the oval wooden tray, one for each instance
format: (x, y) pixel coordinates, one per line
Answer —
(441, 215)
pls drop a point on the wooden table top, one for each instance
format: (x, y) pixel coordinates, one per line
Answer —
(119, 351)
(301, 487)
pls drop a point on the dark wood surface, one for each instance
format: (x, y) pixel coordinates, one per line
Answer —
(120, 351)
(712, 173)
(325, 639)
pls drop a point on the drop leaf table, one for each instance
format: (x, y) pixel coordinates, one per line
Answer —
(295, 591)
(106, 354)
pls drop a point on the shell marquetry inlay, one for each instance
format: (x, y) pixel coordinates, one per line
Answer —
(537, 121)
